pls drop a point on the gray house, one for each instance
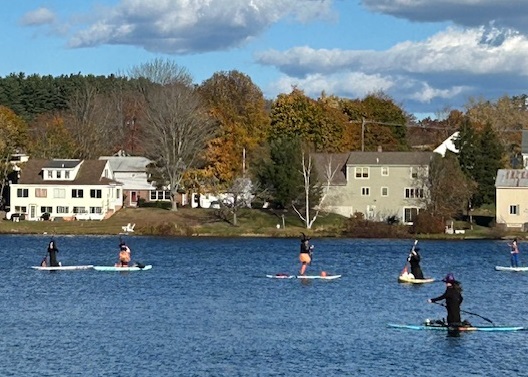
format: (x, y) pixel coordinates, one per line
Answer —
(377, 184)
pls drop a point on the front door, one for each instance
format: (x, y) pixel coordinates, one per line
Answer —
(133, 198)
(32, 212)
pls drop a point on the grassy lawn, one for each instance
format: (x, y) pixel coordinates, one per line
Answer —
(206, 222)
(184, 222)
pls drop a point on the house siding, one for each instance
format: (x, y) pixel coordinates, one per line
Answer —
(39, 195)
(511, 187)
(348, 198)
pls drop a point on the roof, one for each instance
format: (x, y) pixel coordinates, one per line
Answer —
(54, 164)
(127, 163)
(524, 142)
(511, 178)
(90, 173)
(448, 145)
(337, 163)
(389, 158)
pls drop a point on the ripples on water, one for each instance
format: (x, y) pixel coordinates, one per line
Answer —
(206, 309)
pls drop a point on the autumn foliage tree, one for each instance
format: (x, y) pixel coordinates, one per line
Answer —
(239, 109)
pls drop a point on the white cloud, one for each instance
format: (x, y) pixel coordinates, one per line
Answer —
(183, 26)
(510, 14)
(40, 16)
(449, 65)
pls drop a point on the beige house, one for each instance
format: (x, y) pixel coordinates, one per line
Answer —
(377, 184)
(66, 189)
(511, 187)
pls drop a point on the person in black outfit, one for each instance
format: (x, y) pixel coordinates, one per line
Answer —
(52, 251)
(453, 298)
(305, 255)
(414, 260)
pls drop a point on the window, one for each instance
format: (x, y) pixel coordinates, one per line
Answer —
(384, 191)
(409, 214)
(67, 174)
(41, 193)
(414, 173)
(58, 173)
(160, 195)
(413, 193)
(77, 193)
(365, 191)
(514, 209)
(20, 209)
(362, 173)
(22, 193)
(118, 193)
(62, 209)
(46, 209)
(96, 210)
(79, 210)
(95, 194)
(385, 171)
(50, 173)
(59, 193)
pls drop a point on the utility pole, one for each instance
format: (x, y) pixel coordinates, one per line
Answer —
(364, 123)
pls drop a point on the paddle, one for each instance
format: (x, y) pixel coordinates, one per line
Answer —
(404, 271)
(471, 313)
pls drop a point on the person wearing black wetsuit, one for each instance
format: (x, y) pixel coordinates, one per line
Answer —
(305, 255)
(52, 251)
(453, 298)
(414, 260)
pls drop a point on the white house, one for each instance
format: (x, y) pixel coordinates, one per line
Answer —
(67, 189)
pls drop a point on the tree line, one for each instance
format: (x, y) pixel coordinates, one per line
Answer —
(212, 134)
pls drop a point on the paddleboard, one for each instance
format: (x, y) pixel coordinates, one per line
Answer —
(516, 269)
(412, 280)
(447, 328)
(327, 277)
(284, 276)
(280, 276)
(63, 268)
(122, 269)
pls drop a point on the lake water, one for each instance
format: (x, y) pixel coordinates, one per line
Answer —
(207, 309)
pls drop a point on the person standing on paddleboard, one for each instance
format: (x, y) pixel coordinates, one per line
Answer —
(514, 259)
(453, 299)
(414, 260)
(305, 256)
(52, 251)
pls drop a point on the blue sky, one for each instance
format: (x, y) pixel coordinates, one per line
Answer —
(428, 55)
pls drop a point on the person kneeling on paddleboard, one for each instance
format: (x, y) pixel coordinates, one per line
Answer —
(453, 299)
(305, 256)
(124, 255)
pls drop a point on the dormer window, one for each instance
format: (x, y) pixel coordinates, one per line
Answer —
(67, 174)
(58, 174)
(50, 173)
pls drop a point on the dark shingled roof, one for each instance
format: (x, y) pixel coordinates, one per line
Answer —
(89, 173)
(389, 158)
(341, 160)
(68, 164)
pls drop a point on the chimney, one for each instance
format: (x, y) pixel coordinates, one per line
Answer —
(380, 149)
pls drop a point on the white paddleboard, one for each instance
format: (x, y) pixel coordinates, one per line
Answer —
(516, 269)
(327, 277)
(122, 269)
(63, 268)
(284, 276)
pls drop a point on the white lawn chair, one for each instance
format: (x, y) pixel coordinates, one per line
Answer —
(129, 228)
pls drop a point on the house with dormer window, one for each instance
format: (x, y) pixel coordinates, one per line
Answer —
(67, 189)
